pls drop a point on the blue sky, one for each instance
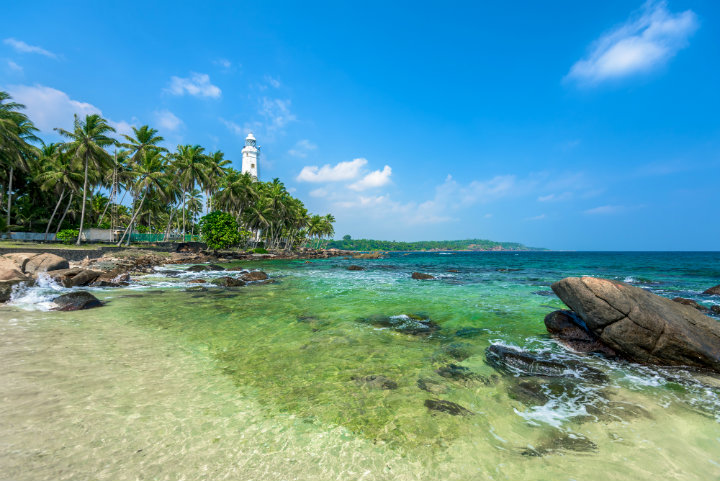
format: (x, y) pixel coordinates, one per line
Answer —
(563, 124)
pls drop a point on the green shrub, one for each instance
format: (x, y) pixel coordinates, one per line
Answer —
(219, 230)
(260, 250)
(67, 236)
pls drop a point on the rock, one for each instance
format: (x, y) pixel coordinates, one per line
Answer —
(433, 387)
(375, 381)
(691, 303)
(715, 309)
(544, 293)
(169, 273)
(198, 268)
(355, 268)
(447, 407)
(228, 281)
(562, 442)
(75, 301)
(6, 288)
(453, 270)
(45, 263)
(254, 276)
(374, 255)
(412, 324)
(237, 268)
(459, 373)
(470, 332)
(455, 350)
(642, 326)
(529, 393)
(713, 291)
(15, 260)
(421, 276)
(215, 267)
(12, 274)
(197, 281)
(523, 363)
(74, 276)
(566, 328)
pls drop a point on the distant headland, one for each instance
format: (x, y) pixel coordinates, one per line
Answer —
(348, 243)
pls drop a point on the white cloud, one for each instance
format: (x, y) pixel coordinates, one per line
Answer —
(235, 128)
(555, 197)
(605, 209)
(302, 148)
(641, 44)
(277, 112)
(376, 178)
(273, 82)
(198, 85)
(341, 171)
(537, 217)
(13, 66)
(223, 62)
(319, 192)
(50, 108)
(23, 47)
(167, 120)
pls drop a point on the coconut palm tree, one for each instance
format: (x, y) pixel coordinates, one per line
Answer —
(190, 164)
(217, 169)
(59, 175)
(88, 141)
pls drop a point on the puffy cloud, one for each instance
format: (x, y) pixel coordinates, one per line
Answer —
(376, 178)
(23, 47)
(167, 120)
(198, 85)
(277, 112)
(641, 44)
(302, 148)
(50, 108)
(327, 173)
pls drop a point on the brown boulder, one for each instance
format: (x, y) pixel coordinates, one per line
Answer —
(691, 303)
(355, 268)
(6, 288)
(254, 276)
(713, 291)
(45, 263)
(640, 325)
(421, 276)
(12, 274)
(74, 277)
(563, 326)
(75, 301)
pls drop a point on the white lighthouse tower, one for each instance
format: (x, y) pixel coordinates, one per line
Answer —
(250, 155)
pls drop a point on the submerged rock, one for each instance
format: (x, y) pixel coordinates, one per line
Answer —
(642, 326)
(75, 301)
(528, 392)
(254, 276)
(459, 373)
(523, 363)
(431, 386)
(691, 303)
(447, 407)
(355, 268)
(456, 350)
(227, 281)
(375, 381)
(562, 442)
(713, 291)
(412, 324)
(422, 276)
(470, 332)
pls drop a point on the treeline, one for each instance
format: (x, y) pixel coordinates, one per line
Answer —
(347, 243)
(133, 184)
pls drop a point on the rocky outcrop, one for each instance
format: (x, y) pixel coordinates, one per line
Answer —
(227, 281)
(45, 263)
(566, 328)
(74, 276)
(6, 288)
(412, 324)
(713, 291)
(12, 274)
(691, 303)
(254, 276)
(516, 362)
(641, 326)
(422, 276)
(75, 301)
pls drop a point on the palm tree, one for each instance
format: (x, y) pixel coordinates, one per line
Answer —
(216, 170)
(145, 138)
(191, 167)
(59, 175)
(194, 207)
(16, 133)
(87, 142)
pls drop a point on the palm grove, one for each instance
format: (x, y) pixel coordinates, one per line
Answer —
(133, 184)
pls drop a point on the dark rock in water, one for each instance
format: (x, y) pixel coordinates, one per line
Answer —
(421, 276)
(433, 387)
(458, 373)
(470, 332)
(616, 411)
(215, 267)
(523, 363)
(375, 381)
(528, 392)
(447, 407)
(456, 350)
(227, 281)
(198, 268)
(412, 324)
(544, 293)
(642, 326)
(691, 303)
(715, 309)
(713, 291)
(6, 288)
(502, 269)
(566, 327)
(453, 270)
(254, 276)
(562, 442)
(237, 268)
(75, 301)
(74, 276)
(355, 268)
(197, 281)
(169, 273)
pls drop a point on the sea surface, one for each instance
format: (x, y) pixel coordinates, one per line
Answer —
(172, 380)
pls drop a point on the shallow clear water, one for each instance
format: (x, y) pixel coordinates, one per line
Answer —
(265, 381)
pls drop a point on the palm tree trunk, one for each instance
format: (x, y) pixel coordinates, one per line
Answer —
(135, 214)
(112, 195)
(62, 194)
(167, 231)
(9, 194)
(67, 208)
(183, 207)
(82, 214)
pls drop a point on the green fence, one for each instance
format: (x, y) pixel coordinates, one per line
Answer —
(137, 237)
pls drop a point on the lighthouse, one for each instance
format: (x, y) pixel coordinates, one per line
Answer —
(250, 156)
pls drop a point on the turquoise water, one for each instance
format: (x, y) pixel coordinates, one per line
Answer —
(275, 381)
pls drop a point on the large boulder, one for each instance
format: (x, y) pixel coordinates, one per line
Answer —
(566, 328)
(45, 263)
(75, 301)
(640, 325)
(12, 274)
(74, 277)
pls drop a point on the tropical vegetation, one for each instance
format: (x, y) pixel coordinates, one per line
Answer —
(133, 185)
(348, 243)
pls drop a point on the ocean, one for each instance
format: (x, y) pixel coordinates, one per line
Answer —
(328, 373)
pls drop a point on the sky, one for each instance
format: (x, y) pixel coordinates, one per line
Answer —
(559, 124)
